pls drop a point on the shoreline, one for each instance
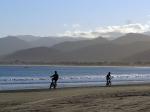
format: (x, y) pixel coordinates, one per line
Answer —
(66, 88)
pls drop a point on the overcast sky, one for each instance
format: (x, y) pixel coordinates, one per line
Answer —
(88, 18)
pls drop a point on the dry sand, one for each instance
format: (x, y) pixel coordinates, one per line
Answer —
(131, 98)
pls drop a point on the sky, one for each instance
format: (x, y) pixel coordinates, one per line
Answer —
(87, 18)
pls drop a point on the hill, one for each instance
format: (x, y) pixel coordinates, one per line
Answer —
(131, 38)
(11, 44)
(142, 57)
(38, 54)
(50, 41)
(89, 51)
(71, 46)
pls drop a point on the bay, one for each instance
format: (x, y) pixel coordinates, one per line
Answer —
(38, 77)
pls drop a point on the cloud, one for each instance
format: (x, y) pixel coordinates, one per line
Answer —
(65, 25)
(108, 31)
(76, 26)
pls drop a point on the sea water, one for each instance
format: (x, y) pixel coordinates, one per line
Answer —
(38, 77)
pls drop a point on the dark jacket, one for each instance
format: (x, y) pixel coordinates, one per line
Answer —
(55, 76)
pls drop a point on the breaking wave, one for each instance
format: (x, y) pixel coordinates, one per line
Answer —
(75, 79)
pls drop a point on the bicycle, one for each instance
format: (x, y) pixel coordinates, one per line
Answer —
(108, 83)
(53, 85)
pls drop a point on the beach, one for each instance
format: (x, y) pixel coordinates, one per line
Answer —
(120, 98)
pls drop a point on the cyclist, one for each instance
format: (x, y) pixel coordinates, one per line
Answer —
(54, 78)
(108, 79)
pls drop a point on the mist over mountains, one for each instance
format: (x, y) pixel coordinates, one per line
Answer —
(12, 44)
(129, 48)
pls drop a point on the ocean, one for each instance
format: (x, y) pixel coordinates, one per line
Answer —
(38, 77)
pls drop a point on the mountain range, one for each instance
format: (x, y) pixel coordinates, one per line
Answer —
(130, 48)
(12, 44)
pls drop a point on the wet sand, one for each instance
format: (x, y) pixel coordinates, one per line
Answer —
(128, 98)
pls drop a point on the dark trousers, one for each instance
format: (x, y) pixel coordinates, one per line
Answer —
(108, 83)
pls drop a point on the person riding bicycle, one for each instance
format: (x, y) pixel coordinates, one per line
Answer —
(108, 79)
(54, 77)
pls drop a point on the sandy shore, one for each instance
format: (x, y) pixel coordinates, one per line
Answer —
(129, 98)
